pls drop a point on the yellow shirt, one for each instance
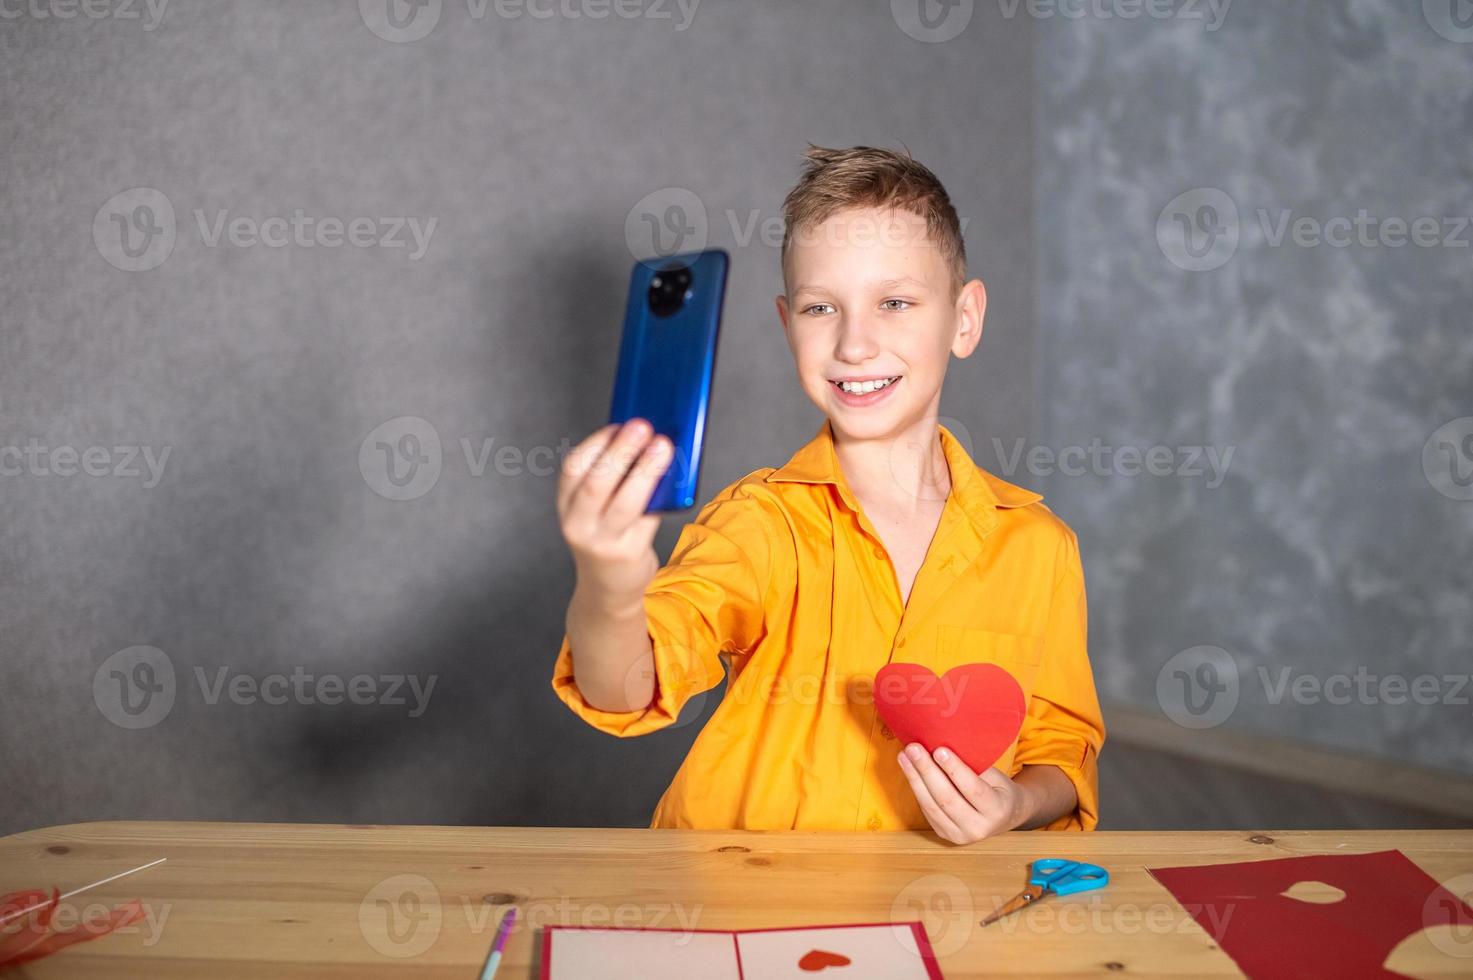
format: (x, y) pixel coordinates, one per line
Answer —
(783, 579)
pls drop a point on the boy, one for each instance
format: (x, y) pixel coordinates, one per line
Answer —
(880, 539)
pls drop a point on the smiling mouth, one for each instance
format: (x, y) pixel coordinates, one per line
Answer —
(865, 387)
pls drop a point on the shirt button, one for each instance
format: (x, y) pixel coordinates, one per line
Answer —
(885, 731)
(874, 823)
(901, 643)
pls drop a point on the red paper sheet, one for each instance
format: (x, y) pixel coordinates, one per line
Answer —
(27, 932)
(1269, 935)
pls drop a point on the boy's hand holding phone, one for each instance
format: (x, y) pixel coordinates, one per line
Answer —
(614, 484)
(606, 482)
(605, 485)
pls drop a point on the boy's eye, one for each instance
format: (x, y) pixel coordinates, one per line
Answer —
(818, 308)
(895, 304)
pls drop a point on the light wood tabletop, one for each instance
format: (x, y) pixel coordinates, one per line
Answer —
(329, 901)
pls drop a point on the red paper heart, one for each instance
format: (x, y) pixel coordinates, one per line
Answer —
(817, 959)
(975, 710)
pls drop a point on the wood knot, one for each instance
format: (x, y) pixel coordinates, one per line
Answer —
(499, 898)
(1114, 966)
(759, 862)
(58, 849)
(733, 849)
(1261, 839)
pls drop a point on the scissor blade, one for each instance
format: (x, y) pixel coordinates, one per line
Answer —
(1022, 900)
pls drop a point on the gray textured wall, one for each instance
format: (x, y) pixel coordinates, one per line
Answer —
(263, 547)
(1334, 364)
(1335, 539)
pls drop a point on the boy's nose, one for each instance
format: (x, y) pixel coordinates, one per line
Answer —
(856, 341)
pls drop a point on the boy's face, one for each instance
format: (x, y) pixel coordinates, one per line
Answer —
(871, 296)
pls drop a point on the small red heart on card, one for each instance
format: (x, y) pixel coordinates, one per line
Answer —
(975, 710)
(819, 959)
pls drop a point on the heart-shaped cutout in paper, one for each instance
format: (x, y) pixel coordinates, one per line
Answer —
(1314, 892)
(975, 710)
(819, 959)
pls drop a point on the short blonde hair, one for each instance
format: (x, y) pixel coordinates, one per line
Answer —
(868, 177)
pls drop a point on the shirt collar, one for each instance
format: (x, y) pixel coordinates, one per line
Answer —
(975, 490)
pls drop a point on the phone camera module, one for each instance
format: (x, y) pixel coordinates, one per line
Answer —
(669, 290)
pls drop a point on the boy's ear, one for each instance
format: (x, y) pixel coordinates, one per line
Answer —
(782, 311)
(971, 310)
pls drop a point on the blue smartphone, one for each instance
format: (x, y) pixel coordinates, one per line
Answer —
(667, 359)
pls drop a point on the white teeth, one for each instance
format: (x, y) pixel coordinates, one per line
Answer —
(865, 387)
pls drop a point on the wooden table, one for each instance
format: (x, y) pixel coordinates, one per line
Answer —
(292, 900)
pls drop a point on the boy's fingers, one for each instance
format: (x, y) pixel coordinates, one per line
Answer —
(967, 782)
(962, 801)
(633, 495)
(603, 474)
(579, 461)
(940, 822)
(993, 798)
(940, 785)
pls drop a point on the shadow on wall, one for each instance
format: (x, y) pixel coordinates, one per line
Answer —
(496, 726)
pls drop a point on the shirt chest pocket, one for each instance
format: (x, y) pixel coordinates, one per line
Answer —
(1017, 654)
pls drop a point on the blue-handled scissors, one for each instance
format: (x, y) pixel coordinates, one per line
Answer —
(1053, 876)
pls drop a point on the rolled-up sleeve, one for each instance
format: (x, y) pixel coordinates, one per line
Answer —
(1064, 726)
(708, 600)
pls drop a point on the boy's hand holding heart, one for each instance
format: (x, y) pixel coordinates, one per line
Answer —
(962, 806)
(954, 728)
